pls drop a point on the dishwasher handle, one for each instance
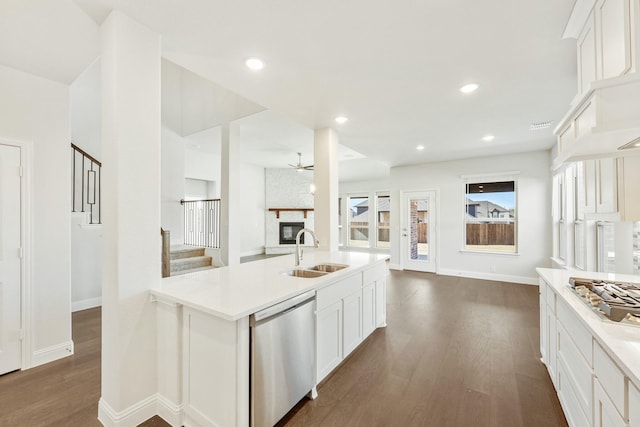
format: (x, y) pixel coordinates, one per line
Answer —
(282, 306)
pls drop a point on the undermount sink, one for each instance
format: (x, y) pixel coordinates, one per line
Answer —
(305, 273)
(328, 268)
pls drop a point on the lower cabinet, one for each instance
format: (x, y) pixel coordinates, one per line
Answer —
(593, 390)
(352, 322)
(348, 311)
(329, 338)
(368, 308)
(634, 406)
(605, 414)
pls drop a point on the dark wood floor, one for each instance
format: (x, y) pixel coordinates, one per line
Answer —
(456, 352)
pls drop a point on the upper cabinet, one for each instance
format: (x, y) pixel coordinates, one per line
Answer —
(604, 115)
(608, 189)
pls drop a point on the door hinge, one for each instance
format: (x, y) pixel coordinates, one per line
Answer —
(20, 253)
(20, 171)
(21, 334)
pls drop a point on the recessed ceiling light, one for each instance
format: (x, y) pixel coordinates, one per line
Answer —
(420, 147)
(488, 138)
(541, 125)
(341, 119)
(468, 88)
(254, 64)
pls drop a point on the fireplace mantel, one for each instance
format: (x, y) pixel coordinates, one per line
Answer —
(278, 210)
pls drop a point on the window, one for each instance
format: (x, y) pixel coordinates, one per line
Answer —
(606, 252)
(636, 248)
(579, 233)
(490, 215)
(359, 222)
(340, 240)
(383, 210)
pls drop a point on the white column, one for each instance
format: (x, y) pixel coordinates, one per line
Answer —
(230, 195)
(325, 178)
(131, 219)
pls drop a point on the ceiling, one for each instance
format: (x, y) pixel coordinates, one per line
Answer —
(393, 68)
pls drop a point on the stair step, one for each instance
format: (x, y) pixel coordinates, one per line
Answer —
(189, 263)
(179, 252)
(192, 270)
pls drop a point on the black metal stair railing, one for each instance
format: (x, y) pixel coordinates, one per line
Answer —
(202, 222)
(85, 184)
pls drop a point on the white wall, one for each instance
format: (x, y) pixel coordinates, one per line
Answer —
(202, 165)
(533, 210)
(86, 252)
(252, 184)
(173, 173)
(84, 101)
(37, 110)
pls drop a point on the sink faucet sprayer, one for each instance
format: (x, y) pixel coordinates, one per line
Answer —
(298, 249)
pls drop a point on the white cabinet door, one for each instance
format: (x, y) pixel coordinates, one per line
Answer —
(589, 186)
(368, 309)
(543, 326)
(552, 345)
(614, 37)
(605, 414)
(352, 322)
(586, 56)
(634, 406)
(606, 191)
(329, 334)
(381, 302)
(628, 190)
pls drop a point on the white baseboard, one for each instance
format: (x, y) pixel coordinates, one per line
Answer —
(132, 416)
(491, 276)
(169, 411)
(251, 252)
(49, 354)
(86, 304)
(395, 266)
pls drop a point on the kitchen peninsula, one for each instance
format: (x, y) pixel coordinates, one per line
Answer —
(593, 362)
(204, 333)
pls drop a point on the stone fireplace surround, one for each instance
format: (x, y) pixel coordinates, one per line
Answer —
(286, 188)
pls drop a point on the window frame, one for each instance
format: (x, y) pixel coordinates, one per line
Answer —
(489, 178)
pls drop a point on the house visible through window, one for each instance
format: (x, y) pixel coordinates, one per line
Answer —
(382, 221)
(359, 222)
(490, 215)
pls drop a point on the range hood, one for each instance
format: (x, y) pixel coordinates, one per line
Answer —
(604, 121)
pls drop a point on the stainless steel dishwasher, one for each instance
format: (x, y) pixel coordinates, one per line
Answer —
(282, 358)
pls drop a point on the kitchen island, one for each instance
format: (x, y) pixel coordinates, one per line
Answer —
(593, 362)
(203, 327)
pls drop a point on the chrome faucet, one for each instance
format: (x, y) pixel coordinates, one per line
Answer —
(298, 249)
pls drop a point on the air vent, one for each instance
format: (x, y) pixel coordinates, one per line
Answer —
(539, 126)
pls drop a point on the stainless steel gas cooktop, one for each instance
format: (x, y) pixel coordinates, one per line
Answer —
(617, 301)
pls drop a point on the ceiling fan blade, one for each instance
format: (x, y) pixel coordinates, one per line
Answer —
(308, 168)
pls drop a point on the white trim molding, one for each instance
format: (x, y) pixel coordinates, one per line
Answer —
(86, 304)
(132, 416)
(491, 276)
(49, 354)
(170, 411)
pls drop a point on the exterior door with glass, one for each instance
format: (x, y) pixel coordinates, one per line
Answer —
(418, 231)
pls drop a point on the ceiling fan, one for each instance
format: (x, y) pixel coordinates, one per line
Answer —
(300, 167)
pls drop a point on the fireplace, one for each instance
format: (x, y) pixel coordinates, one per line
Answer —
(288, 231)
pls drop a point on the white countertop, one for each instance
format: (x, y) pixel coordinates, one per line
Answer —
(622, 342)
(234, 292)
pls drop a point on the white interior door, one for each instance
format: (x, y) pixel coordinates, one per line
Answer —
(418, 231)
(10, 275)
